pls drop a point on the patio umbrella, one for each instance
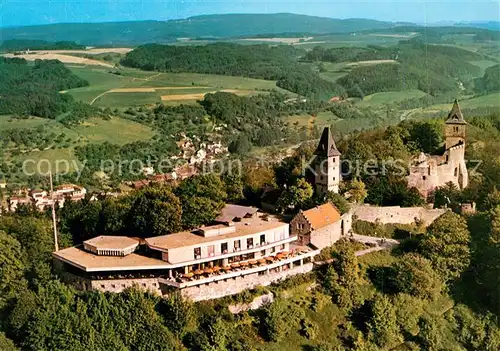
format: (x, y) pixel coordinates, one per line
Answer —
(262, 260)
(226, 268)
(244, 264)
(270, 258)
(209, 270)
(188, 275)
(216, 268)
(199, 271)
(253, 262)
(284, 253)
(235, 265)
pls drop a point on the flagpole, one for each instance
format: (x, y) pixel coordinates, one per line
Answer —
(56, 244)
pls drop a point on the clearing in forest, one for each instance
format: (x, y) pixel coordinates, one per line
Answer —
(62, 58)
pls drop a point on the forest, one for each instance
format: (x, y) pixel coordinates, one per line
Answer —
(413, 62)
(490, 81)
(27, 89)
(26, 44)
(255, 61)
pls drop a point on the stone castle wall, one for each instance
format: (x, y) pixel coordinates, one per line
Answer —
(437, 171)
(396, 214)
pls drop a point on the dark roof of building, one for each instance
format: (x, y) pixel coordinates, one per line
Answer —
(455, 116)
(230, 212)
(327, 147)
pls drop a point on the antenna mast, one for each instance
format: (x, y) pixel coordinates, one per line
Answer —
(56, 244)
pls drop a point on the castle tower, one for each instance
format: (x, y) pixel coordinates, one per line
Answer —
(455, 127)
(327, 164)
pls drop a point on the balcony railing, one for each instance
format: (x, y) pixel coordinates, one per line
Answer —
(238, 272)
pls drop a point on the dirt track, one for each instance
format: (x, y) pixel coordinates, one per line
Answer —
(199, 96)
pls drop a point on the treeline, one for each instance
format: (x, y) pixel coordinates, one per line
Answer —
(34, 89)
(26, 44)
(430, 68)
(254, 61)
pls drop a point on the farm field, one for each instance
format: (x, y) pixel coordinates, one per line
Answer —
(135, 87)
(490, 100)
(61, 57)
(378, 99)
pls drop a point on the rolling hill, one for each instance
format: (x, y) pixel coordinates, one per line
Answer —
(207, 26)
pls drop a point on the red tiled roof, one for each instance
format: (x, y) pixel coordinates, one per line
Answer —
(321, 216)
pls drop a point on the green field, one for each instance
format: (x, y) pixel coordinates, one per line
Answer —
(113, 100)
(116, 131)
(378, 99)
(7, 122)
(483, 64)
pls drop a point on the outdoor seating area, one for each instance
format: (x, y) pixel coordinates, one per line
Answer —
(207, 272)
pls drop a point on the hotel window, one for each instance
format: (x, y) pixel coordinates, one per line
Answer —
(237, 245)
(282, 247)
(249, 243)
(211, 250)
(197, 252)
(262, 239)
(456, 172)
(273, 249)
(263, 253)
(223, 248)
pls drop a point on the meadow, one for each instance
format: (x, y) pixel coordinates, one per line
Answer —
(133, 87)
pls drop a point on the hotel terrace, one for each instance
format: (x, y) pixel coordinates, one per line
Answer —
(244, 249)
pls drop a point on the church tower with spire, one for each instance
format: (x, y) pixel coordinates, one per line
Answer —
(455, 126)
(327, 164)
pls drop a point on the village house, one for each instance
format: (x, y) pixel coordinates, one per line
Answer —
(244, 249)
(42, 199)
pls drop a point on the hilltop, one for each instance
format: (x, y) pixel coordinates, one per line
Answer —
(207, 26)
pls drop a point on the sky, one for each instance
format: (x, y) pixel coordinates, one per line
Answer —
(32, 12)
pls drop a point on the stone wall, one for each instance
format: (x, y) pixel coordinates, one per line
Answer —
(236, 285)
(118, 285)
(327, 236)
(435, 171)
(396, 214)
